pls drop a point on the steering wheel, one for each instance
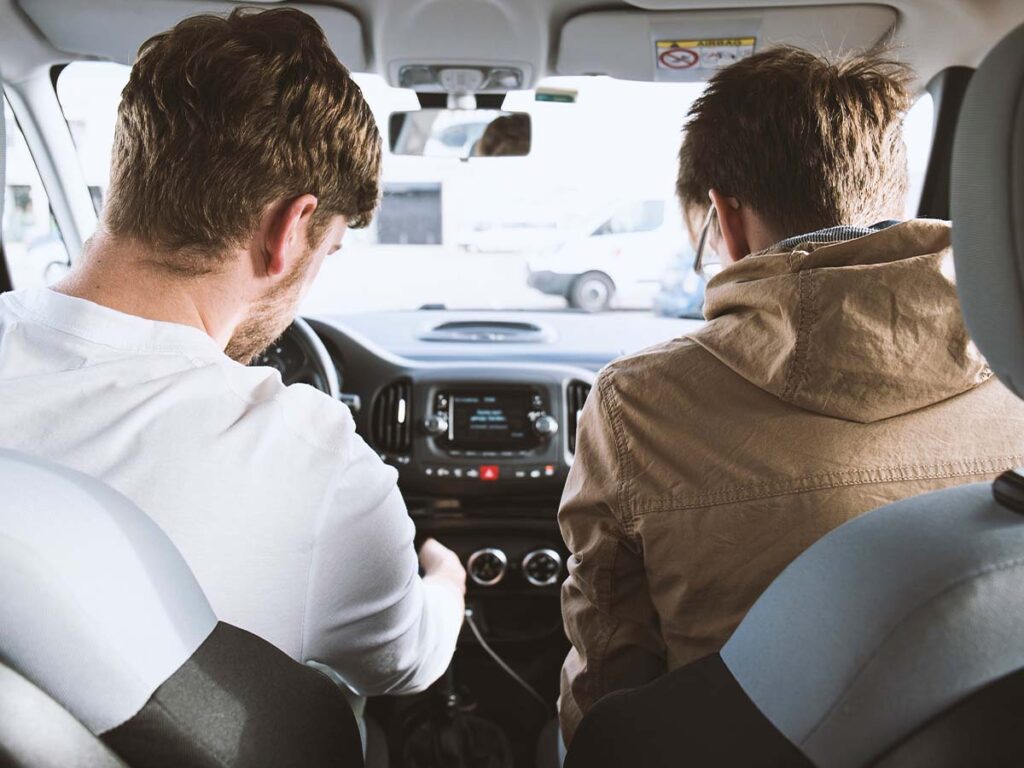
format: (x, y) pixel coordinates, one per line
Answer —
(302, 358)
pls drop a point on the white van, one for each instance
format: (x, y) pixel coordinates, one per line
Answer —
(618, 261)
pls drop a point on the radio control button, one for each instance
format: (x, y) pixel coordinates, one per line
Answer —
(520, 474)
(545, 426)
(428, 471)
(457, 472)
(435, 424)
(472, 473)
(443, 472)
(535, 473)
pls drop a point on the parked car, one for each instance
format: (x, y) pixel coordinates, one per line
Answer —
(617, 262)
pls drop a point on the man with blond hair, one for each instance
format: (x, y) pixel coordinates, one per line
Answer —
(243, 152)
(834, 374)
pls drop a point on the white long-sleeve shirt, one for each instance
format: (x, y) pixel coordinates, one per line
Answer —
(293, 526)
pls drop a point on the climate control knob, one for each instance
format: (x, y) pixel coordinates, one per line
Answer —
(542, 567)
(545, 425)
(487, 567)
(435, 424)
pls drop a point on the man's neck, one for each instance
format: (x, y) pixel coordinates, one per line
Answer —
(121, 276)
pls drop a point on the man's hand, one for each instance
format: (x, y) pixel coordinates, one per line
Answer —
(441, 563)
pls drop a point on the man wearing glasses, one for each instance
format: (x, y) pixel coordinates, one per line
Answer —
(834, 374)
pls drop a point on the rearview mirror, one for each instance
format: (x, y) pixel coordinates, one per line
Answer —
(461, 133)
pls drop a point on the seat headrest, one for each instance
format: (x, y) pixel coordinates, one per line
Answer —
(97, 608)
(987, 205)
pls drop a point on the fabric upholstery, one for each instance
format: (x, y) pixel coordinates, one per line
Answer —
(36, 732)
(885, 623)
(97, 606)
(987, 202)
(239, 702)
(696, 716)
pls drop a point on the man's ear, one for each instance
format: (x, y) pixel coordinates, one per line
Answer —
(732, 226)
(283, 234)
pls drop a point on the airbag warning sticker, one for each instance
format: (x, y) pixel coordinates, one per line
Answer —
(675, 55)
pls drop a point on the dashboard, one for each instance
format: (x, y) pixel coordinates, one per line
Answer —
(477, 411)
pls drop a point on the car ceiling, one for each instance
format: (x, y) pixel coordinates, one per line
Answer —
(545, 37)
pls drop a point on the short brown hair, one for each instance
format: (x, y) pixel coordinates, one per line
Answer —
(508, 135)
(805, 142)
(222, 117)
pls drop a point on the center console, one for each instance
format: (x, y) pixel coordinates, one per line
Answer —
(482, 449)
(482, 457)
(496, 434)
(477, 437)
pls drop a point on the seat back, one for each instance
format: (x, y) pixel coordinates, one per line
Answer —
(98, 608)
(37, 732)
(99, 611)
(886, 623)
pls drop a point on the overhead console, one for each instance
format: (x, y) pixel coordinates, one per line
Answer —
(687, 46)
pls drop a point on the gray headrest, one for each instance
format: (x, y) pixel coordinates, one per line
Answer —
(987, 204)
(97, 606)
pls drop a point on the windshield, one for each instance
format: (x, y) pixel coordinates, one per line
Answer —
(586, 222)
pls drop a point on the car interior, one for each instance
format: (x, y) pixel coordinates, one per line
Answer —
(893, 642)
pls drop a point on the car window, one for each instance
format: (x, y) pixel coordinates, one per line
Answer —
(33, 246)
(483, 233)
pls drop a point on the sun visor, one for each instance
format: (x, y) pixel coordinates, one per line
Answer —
(114, 29)
(688, 46)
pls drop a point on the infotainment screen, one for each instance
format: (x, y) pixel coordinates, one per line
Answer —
(491, 420)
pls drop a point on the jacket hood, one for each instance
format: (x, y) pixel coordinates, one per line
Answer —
(860, 330)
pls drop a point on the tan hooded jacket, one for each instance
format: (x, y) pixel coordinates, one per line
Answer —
(829, 380)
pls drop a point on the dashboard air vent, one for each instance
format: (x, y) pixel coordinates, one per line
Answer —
(575, 396)
(391, 420)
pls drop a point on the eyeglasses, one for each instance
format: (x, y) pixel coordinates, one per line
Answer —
(705, 232)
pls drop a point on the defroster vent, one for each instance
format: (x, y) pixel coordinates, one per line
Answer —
(575, 396)
(392, 418)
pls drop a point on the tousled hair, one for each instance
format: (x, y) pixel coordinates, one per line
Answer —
(224, 116)
(806, 142)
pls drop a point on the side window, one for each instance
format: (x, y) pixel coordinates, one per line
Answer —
(645, 216)
(917, 135)
(33, 245)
